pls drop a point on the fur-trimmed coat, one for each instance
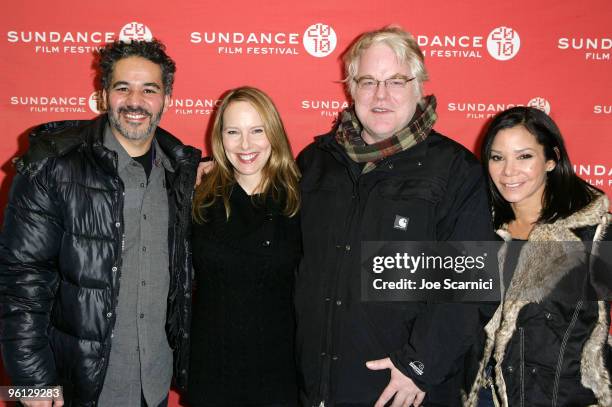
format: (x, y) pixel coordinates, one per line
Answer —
(547, 352)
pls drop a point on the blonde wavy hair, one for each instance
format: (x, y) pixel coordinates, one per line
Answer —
(280, 175)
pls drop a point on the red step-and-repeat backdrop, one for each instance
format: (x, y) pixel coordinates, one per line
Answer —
(483, 56)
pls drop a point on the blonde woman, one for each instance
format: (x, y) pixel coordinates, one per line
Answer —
(246, 242)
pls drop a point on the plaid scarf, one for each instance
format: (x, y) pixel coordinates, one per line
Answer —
(348, 135)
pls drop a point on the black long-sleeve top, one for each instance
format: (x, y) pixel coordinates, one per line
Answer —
(243, 322)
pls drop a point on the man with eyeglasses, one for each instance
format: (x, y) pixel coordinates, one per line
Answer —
(384, 174)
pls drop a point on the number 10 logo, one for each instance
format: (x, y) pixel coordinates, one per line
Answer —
(320, 40)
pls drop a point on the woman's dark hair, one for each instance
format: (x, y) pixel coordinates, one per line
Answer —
(564, 193)
(154, 51)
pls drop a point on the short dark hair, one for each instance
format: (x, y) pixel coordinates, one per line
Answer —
(564, 193)
(154, 51)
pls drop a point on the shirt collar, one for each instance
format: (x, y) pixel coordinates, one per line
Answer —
(124, 159)
(161, 157)
(111, 143)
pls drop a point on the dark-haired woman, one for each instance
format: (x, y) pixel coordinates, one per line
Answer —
(246, 242)
(547, 345)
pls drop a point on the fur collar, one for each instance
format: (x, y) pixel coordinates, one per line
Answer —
(562, 230)
(553, 250)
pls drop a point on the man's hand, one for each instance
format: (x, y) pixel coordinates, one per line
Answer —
(403, 388)
(203, 168)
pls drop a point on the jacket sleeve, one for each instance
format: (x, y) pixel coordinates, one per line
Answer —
(445, 336)
(444, 341)
(29, 247)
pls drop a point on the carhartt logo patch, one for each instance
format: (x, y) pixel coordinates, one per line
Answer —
(418, 367)
(401, 222)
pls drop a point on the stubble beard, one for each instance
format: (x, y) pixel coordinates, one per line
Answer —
(134, 134)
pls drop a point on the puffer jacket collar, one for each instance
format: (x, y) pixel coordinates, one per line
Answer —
(89, 135)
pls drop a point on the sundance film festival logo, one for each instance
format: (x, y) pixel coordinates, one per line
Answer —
(51, 104)
(327, 108)
(602, 109)
(76, 42)
(486, 110)
(599, 175)
(95, 102)
(540, 103)
(320, 40)
(135, 31)
(593, 49)
(503, 43)
(190, 106)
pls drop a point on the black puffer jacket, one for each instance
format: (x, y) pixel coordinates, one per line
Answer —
(60, 248)
(439, 187)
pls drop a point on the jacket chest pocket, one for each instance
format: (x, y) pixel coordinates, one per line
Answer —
(403, 210)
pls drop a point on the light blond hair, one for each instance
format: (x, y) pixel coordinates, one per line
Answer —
(280, 174)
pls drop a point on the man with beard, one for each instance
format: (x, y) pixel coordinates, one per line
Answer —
(384, 174)
(95, 268)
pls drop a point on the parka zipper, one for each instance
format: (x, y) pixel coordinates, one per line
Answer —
(119, 215)
(326, 367)
(561, 356)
